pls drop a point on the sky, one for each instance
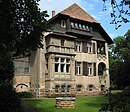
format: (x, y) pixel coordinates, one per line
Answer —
(93, 7)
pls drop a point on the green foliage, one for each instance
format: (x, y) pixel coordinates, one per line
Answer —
(9, 101)
(21, 26)
(120, 12)
(119, 59)
(6, 68)
(25, 95)
(119, 69)
(119, 102)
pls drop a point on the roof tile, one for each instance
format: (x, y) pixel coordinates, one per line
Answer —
(77, 12)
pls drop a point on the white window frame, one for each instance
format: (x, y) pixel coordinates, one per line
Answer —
(63, 23)
(87, 28)
(72, 24)
(90, 69)
(80, 26)
(78, 68)
(76, 25)
(89, 48)
(63, 64)
(78, 46)
(84, 27)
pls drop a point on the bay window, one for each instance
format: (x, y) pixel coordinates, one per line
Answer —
(62, 65)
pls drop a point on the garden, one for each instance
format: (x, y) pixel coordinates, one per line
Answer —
(82, 104)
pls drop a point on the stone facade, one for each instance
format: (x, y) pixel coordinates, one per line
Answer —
(75, 54)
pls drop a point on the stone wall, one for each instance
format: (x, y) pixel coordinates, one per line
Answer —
(66, 103)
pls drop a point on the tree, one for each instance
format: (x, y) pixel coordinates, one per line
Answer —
(120, 12)
(120, 102)
(21, 26)
(119, 57)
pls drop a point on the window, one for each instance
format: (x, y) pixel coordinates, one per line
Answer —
(62, 42)
(67, 65)
(80, 26)
(79, 88)
(78, 46)
(63, 23)
(90, 87)
(84, 27)
(62, 65)
(101, 48)
(76, 25)
(72, 24)
(21, 66)
(78, 68)
(63, 88)
(89, 47)
(89, 68)
(87, 28)
(57, 87)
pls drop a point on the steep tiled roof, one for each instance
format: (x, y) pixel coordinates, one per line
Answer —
(77, 12)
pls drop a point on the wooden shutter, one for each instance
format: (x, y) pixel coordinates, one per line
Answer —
(94, 48)
(75, 67)
(94, 69)
(84, 47)
(85, 68)
(75, 45)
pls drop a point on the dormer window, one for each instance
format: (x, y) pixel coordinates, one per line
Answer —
(84, 27)
(63, 23)
(72, 24)
(80, 26)
(76, 25)
(87, 28)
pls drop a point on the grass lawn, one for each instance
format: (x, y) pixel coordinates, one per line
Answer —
(85, 104)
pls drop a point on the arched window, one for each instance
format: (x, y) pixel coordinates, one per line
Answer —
(101, 68)
(90, 87)
(102, 87)
(65, 88)
(68, 88)
(79, 88)
(57, 87)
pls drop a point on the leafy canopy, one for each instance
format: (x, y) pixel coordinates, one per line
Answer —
(120, 11)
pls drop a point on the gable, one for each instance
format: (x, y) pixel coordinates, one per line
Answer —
(76, 15)
(77, 12)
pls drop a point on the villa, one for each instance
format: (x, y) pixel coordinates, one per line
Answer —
(75, 56)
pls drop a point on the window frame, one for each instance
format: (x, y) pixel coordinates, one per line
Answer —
(62, 42)
(21, 67)
(79, 68)
(63, 23)
(90, 69)
(62, 65)
(89, 48)
(78, 46)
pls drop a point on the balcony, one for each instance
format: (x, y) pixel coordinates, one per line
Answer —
(60, 49)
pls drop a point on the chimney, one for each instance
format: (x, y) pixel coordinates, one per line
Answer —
(53, 13)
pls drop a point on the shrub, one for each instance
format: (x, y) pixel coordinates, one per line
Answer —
(9, 100)
(119, 102)
(25, 95)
